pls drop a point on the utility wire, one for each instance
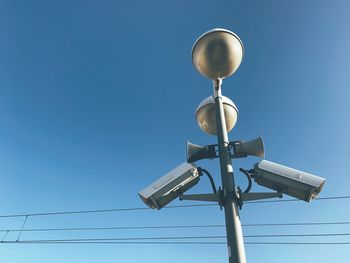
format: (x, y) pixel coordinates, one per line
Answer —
(127, 238)
(20, 232)
(172, 243)
(295, 199)
(297, 243)
(75, 212)
(99, 211)
(298, 224)
(170, 227)
(3, 239)
(110, 228)
(146, 208)
(184, 237)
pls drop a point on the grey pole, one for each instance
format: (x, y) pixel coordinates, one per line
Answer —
(235, 245)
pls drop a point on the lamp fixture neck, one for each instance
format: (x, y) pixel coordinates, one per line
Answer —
(217, 87)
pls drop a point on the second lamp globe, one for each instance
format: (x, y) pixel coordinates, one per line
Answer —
(206, 118)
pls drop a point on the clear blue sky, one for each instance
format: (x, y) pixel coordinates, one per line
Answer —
(97, 100)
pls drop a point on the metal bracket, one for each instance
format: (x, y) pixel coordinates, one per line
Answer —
(200, 197)
(258, 196)
(219, 197)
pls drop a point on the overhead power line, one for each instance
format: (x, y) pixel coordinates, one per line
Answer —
(97, 211)
(170, 227)
(146, 208)
(170, 243)
(178, 239)
(298, 224)
(185, 237)
(294, 199)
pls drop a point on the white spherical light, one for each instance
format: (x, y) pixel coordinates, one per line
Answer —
(206, 118)
(217, 54)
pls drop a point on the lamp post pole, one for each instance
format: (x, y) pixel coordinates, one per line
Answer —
(217, 54)
(236, 253)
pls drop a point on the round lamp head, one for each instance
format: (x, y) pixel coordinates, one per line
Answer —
(217, 54)
(206, 118)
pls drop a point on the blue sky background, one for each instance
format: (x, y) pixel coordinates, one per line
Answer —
(97, 100)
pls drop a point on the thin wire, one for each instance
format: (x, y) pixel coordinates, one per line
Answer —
(297, 224)
(297, 243)
(146, 208)
(183, 237)
(126, 238)
(117, 242)
(295, 199)
(170, 227)
(299, 235)
(3, 239)
(176, 243)
(111, 228)
(76, 212)
(20, 232)
(99, 211)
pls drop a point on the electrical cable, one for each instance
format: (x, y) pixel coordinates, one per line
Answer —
(172, 227)
(201, 170)
(295, 199)
(110, 228)
(147, 208)
(172, 243)
(100, 211)
(20, 232)
(298, 224)
(3, 239)
(245, 172)
(186, 237)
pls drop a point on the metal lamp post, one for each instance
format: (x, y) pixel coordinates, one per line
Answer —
(217, 54)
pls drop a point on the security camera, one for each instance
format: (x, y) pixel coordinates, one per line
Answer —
(170, 186)
(301, 185)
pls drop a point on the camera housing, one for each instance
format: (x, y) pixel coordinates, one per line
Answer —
(298, 184)
(170, 186)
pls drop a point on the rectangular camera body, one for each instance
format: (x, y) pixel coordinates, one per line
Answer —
(169, 186)
(287, 180)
